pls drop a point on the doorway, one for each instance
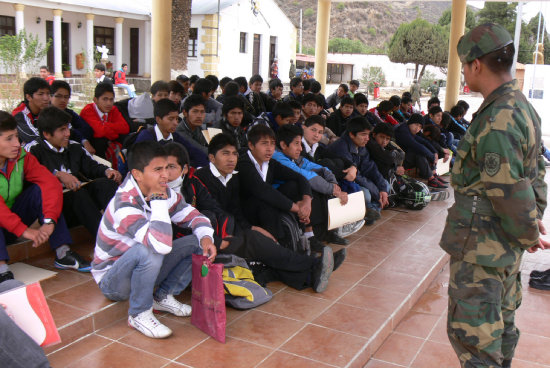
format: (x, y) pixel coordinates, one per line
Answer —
(65, 50)
(256, 55)
(272, 49)
(134, 51)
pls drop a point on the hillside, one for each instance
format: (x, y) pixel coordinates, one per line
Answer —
(373, 23)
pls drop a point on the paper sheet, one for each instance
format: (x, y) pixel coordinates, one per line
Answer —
(210, 133)
(353, 211)
(102, 161)
(28, 274)
(444, 167)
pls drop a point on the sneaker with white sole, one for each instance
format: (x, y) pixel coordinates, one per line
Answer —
(149, 325)
(171, 305)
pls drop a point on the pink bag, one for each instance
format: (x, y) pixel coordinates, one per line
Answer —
(208, 299)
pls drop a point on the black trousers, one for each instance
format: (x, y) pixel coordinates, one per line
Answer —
(83, 207)
(101, 144)
(424, 168)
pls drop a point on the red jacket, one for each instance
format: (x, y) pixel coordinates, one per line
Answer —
(384, 117)
(120, 77)
(52, 193)
(114, 126)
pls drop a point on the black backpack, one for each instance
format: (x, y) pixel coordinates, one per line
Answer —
(294, 236)
(131, 138)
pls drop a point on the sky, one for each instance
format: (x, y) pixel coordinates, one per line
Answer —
(530, 9)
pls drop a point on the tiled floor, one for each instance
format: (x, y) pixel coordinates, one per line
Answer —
(384, 281)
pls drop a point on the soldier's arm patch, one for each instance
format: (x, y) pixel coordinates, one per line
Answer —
(492, 163)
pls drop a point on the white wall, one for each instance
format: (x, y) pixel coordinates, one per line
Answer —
(194, 63)
(77, 36)
(541, 76)
(239, 18)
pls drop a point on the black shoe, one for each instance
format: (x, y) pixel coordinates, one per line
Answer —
(440, 179)
(5, 276)
(372, 216)
(72, 260)
(339, 257)
(434, 183)
(542, 283)
(507, 363)
(539, 274)
(334, 238)
(315, 245)
(323, 270)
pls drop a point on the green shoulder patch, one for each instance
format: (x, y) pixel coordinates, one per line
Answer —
(492, 163)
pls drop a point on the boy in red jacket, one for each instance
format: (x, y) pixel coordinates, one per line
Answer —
(107, 122)
(20, 207)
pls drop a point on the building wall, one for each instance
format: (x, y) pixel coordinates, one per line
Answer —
(538, 78)
(77, 36)
(239, 18)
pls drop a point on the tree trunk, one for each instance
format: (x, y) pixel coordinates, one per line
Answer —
(416, 71)
(181, 21)
(421, 73)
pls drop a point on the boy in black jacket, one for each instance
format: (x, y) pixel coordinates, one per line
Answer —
(214, 191)
(387, 155)
(89, 186)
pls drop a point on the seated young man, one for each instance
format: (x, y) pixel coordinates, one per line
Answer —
(141, 108)
(353, 87)
(322, 181)
(22, 204)
(405, 108)
(296, 90)
(419, 153)
(90, 185)
(45, 74)
(223, 82)
(215, 190)
(212, 108)
(255, 83)
(435, 117)
(362, 109)
(337, 121)
(311, 105)
(336, 97)
(193, 119)
(387, 156)
(282, 114)
(396, 102)
(107, 122)
(164, 131)
(253, 101)
(120, 80)
(456, 125)
(176, 93)
(233, 114)
(275, 94)
(352, 147)
(80, 130)
(383, 112)
(263, 199)
(135, 257)
(36, 94)
(297, 109)
(99, 74)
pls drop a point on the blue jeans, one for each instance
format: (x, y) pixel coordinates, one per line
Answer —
(28, 206)
(138, 271)
(17, 349)
(127, 88)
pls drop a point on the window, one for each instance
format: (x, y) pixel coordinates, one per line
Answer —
(410, 73)
(192, 47)
(105, 36)
(242, 43)
(7, 25)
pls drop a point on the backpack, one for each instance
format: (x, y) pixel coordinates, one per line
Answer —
(410, 192)
(241, 290)
(294, 236)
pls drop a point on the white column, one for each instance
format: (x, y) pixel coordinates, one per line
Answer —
(19, 17)
(118, 42)
(147, 50)
(90, 47)
(57, 42)
(161, 25)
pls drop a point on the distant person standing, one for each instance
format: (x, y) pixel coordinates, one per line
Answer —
(120, 81)
(434, 89)
(45, 74)
(292, 70)
(274, 70)
(415, 94)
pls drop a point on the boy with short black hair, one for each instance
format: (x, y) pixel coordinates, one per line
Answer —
(296, 90)
(135, 257)
(80, 130)
(104, 118)
(176, 92)
(223, 82)
(297, 109)
(36, 97)
(386, 154)
(99, 73)
(337, 121)
(140, 108)
(120, 80)
(213, 109)
(164, 131)
(434, 101)
(193, 119)
(21, 205)
(352, 147)
(254, 104)
(282, 114)
(275, 94)
(231, 124)
(45, 74)
(89, 185)
(353, 87)
(362, 109)
(383, 112)
(336, 97)
(184, 81)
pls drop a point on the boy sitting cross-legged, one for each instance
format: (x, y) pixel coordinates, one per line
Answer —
(135, 257)
(214, 190)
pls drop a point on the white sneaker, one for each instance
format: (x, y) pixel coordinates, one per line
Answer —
(349, 229)
(171, 305)
(149, 325)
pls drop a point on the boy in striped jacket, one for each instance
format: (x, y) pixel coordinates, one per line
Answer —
(135, 257)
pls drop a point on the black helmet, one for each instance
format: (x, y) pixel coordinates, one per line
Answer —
(410, 192)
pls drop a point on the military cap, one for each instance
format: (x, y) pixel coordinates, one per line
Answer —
(482, 40)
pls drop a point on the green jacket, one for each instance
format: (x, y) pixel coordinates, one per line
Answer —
(12, 186)
(499, 162)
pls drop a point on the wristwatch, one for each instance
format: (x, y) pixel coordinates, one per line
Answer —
(48, 221)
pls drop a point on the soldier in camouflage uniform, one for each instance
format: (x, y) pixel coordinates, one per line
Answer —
(500, 197)
(415, 94)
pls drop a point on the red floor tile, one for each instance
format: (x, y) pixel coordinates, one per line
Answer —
(432, 304)
(78, 350)
(417, 324)
(295, 305)
(399, 349)
(352, 320)
(280, 360)
(436, 355)
(375, 299)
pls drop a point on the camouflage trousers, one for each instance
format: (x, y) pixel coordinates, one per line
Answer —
(482, 305)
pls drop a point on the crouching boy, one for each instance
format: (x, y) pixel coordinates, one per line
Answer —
(135, 257)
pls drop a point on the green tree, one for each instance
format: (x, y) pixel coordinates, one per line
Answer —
(445, 18)
(346, 46)
(420, 43)
(22, 49)
(372, 75)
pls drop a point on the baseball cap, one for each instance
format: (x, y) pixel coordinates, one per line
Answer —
(482, 40)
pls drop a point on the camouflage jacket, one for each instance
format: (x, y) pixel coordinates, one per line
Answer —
(499, 164)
